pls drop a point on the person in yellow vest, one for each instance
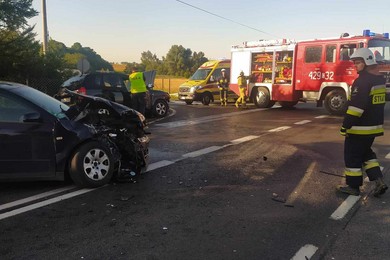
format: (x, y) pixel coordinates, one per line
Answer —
(242, 88)
(138, 91)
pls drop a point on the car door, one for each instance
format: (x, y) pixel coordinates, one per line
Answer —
(26, 140)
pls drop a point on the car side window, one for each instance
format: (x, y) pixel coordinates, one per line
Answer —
(92, 81)
(112, 81)
(12, 109)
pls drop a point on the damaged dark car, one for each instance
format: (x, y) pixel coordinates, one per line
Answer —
(92, 142)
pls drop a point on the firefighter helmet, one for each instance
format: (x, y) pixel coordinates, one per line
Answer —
(365, 54)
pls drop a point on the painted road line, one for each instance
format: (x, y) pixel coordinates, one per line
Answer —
(159, 164)
(244, 139)
(35, 197)
(302, 122)
(202, 151)
(387, 156)
(278, 129)
(305, 252)
(343, 209)
(323, 116)
(44, 203)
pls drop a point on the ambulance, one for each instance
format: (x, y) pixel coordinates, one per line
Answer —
(203, 86)
(318, 70)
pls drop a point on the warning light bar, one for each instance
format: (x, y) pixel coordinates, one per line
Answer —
(369, 33)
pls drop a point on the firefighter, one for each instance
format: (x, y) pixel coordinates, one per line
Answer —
(242, 88)
(363, 121)
(223, 85)
(138, 91)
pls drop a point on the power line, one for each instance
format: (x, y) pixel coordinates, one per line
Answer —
(230, 20)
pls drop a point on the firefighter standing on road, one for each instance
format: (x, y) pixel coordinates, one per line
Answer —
(223, 85)
(363, 121)
(138, 91)
(242, 88)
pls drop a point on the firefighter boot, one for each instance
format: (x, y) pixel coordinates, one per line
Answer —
(380, 187)
(349, 190)
(237, 105)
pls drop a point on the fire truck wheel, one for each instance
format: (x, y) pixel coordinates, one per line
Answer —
(262, 98)
(336, 102)
(287, 104)
(206, 98)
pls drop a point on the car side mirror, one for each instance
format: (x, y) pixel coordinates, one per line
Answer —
(150, 86)
(33, 117)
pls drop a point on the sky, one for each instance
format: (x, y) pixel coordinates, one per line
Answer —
(120, 30)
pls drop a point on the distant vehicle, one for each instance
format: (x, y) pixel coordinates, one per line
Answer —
(112, 86)
(93, 141)
(203, 86)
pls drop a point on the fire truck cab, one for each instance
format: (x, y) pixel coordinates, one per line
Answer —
(319, 70)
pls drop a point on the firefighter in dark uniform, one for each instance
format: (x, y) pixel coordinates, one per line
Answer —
(223, 85)
(363, 121)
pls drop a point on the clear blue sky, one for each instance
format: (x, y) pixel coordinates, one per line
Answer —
(120, 30)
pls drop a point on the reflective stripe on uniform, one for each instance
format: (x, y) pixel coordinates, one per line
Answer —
(379, 89)
(366, 130)
(353, 172)
(355, 111)
(370, 164)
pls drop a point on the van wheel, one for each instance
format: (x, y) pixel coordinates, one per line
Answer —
(288, 104)
(336, 102)
(189, 102)
(262, 98)
(91, 166)
(160, 108)
(206, 99)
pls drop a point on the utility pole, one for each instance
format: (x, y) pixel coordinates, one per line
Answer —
(44, 26)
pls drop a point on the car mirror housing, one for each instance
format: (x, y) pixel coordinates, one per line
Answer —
(33, 117)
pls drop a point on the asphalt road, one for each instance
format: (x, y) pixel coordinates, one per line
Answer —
(223, 183)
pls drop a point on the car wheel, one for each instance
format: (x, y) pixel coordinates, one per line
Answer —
(206, 99)
(336, 102)
(262, 98)
(189, 102)
(91, 166)
(160, 108)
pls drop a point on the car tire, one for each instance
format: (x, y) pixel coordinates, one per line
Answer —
(160, 108)
(91, 166)
(206, 98)
(189, 102)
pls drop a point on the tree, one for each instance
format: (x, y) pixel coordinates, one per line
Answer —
(150, 61)
(14, 14)
(178, 61)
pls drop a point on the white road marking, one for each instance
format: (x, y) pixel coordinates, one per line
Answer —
(244, 139)
(35, 197)
(278, 129)
(306, 252)
(343, 209)
(202, 151)
(387, 156)
(159, 164)
(323, 116)
(302, 122)
(44, 203)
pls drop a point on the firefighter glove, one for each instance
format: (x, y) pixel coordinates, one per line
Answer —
(343, 131)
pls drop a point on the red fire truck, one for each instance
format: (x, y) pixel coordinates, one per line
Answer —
(287, 72)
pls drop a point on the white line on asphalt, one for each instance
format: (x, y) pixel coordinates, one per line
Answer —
(278, 129)
(159, 164)
(202, 151)
(44, 203)
(323, 116)
(244, 139)
(302, 122)
(343, 209)
(387, 156)
(35, 197)
(306, 252)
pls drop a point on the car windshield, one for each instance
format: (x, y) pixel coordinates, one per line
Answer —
(380, 47)
(200, 74)
(51, 105)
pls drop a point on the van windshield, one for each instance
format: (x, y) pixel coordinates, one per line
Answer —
(200, 74)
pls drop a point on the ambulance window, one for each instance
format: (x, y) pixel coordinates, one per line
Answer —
(313, 54)
(331, 53)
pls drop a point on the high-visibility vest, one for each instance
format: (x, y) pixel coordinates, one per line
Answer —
(137, 82)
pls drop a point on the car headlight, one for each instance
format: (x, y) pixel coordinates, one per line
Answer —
(194, 88)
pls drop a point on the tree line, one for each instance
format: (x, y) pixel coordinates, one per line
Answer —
(22, 58)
